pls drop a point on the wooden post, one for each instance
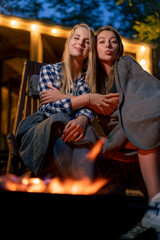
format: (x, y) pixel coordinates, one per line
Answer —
(0, 104)
(36, 46)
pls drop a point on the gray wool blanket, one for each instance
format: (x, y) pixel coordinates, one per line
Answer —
(139, 107)
(35, 135)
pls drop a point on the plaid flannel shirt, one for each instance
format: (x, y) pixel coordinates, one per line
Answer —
(51, 74)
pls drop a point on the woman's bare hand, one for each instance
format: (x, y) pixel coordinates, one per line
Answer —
(51, 95)
(104, 104)
(74, 130)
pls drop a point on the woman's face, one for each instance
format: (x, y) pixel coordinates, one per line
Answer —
(107, 47)
(79, 43)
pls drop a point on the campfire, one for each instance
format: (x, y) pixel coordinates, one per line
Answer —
(55, 185)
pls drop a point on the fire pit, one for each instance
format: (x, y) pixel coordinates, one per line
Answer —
(105, 215)
(69, 208)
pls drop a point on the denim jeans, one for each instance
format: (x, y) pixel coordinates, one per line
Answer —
(72, 161)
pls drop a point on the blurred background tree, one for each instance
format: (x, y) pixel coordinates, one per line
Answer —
(22, 8)
(149, 30)
(71, 12)
(63, 12)
(138, 19)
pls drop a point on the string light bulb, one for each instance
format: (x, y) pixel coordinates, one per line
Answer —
(33, 26)
(143, 48)
(13, 22)
(54, 30)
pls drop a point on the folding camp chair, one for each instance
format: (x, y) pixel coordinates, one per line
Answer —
(28, 103)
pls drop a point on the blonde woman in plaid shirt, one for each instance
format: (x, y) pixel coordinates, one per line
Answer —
(44, 146)
(73, 76)
(57, 138)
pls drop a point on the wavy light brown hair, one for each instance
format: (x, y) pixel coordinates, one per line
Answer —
(104, 82)
(89, 65)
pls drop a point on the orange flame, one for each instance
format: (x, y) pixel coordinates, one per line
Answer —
(55, 185)
(95, 150)
(83, 186)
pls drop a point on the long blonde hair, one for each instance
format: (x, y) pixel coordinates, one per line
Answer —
(89, 64)
(104, 82)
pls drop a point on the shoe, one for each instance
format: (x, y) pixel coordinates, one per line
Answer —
(151, 218)
(138, 232)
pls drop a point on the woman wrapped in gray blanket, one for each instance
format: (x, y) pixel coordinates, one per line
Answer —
(135, 124)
